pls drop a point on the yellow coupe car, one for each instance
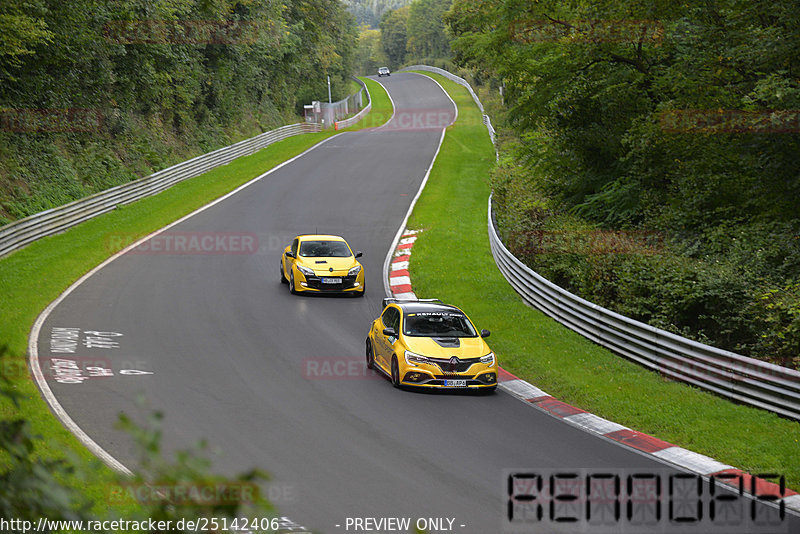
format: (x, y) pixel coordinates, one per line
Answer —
(322, 264)
(426, 343)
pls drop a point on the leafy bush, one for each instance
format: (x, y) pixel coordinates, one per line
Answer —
(32, 487)
(159, 100)
(674, 118)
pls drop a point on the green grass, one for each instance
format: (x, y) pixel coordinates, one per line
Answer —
(452, 261)
(381, 106)
(33, 277)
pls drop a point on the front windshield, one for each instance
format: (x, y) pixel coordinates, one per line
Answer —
(324, 249)
(438, 324)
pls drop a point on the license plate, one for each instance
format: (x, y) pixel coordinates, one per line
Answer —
(456, 383)
(331, 280)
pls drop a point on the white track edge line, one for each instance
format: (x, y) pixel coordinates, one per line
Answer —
(386, 288)
(445, 92)
(394, 108)
(396, 240)
(33, 341)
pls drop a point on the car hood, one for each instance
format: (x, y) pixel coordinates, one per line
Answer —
(463, 348)
(322, 266)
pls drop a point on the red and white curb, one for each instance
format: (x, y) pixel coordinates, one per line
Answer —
(399, 278)
(400, 284)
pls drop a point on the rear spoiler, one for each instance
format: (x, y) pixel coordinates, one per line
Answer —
(393, 300)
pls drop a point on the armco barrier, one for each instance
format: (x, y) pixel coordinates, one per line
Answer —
(737, 377)
(24, 231)
(732, 375)
(358, 116)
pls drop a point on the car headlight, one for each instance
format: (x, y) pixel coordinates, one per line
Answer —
(305, 270)
(413, 358)
(354, 271)
(488, 359)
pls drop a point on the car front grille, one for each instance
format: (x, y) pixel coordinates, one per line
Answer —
(314, 282)
(461, 367)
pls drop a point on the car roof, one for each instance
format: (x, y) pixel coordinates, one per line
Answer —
(310, 237)
(418, 307)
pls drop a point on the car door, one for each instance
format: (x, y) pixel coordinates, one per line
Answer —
(289, 262)
(389, 319)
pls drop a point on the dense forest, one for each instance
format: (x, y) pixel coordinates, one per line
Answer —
(414, 32)
(651, 156)
(94, 93)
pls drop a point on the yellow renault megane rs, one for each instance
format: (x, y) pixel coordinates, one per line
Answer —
(426, 343)
(318, 263)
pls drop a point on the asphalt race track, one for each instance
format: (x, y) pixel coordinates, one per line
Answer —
(276, 381)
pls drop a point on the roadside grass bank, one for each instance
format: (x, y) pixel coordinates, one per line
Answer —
(33, 277)
(452, 261)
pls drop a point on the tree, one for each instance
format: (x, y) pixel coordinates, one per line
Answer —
(393, 35)
(425, 29)
(665, 116)
(22, 29)
(369, 54)
(167, 79)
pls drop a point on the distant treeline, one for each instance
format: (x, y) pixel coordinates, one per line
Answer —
(411, 33)
(675, 119)
(94, 93)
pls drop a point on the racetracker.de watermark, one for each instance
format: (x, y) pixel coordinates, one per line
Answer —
(721, 121)
(586, 242)
(418, 119)
(183, 32)
(206, 494)
(585, 31)
(50, 120)
(344, 368)
(73, 369)
(187, 243)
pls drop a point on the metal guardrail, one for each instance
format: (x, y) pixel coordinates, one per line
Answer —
(17, 234)
(358, 116)
(725, 373)
(732, 375)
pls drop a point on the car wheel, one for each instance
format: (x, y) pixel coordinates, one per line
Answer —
(395, 372)
(292, 290)
(370, 356)
(283, 276)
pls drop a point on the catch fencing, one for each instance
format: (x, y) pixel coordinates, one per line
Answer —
(358, 116)
(330, 113)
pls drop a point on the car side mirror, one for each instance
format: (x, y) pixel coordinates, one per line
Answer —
(485, 333)
(358, 254)
(389, 332)
(289, 254)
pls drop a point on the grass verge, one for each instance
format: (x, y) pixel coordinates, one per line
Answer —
(452, 261)
(33, 277)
